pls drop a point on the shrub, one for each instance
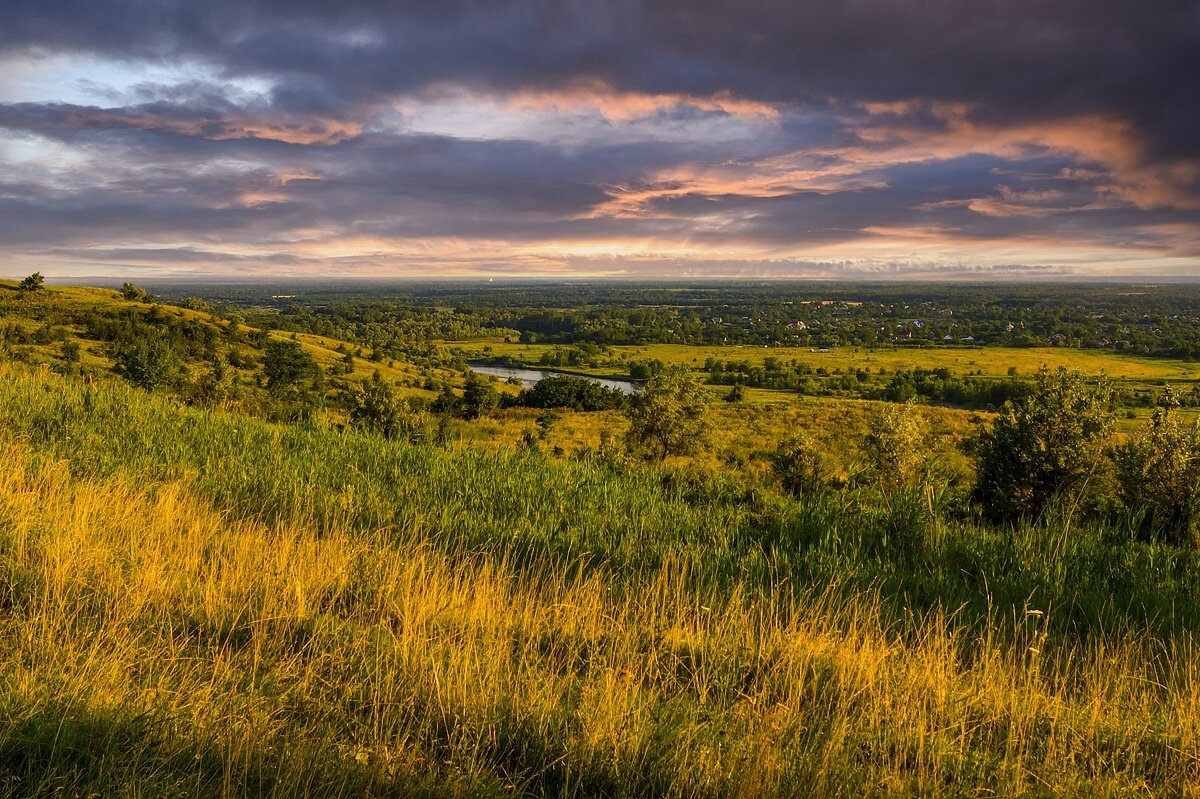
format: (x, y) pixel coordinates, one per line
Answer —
(894, 447)
(1043, 444)
(286, 363)
(799, 464)
(1158, 471)
(32, 283)
(148, 362)
(212, 388)
(375, 407)
(479, 397)
(71, 351)
(135, 293)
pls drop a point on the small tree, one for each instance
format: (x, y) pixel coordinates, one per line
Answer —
(286, 364)
(1043, 444)
(1158, 471)
(32, 283)
(669, 414)
(799, 464)
(148, 362)
(479, 397)
(894, 447)
(375, 407)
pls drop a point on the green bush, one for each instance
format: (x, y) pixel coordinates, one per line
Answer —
(1158, 472)
(286, 364)
(1043, 445)
(479, 397)
(669, 415)
(135, 293)
(894, 448)
(799, 464)
(375, 408)
(32, 283)
(148, 362)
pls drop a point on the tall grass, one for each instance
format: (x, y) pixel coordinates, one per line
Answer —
(196, 604)
(528, 509)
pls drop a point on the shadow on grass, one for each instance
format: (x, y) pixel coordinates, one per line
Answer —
(58, 749)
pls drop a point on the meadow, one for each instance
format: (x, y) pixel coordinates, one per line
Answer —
(995, 362)
(198, 603)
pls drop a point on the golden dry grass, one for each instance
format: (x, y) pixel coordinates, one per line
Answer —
(152, 645)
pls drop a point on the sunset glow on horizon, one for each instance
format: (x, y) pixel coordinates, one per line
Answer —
(882, 139)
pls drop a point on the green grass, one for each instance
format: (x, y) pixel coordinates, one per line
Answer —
(196, 603)
(203, 603)
(64, 307)
(992, 361)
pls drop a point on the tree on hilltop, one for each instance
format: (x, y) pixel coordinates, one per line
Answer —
(32, 283)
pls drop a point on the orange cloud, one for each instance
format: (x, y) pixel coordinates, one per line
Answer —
(770, 177)
(310, 130)
(591, 94)
(1091, 138)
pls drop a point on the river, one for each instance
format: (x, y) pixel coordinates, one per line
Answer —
(528, 377)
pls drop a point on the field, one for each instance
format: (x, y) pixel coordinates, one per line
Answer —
(989, 361)
(197, 601)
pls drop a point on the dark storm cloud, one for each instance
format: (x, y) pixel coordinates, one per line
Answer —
(1009, 59)
(165, 179)
(972, 120)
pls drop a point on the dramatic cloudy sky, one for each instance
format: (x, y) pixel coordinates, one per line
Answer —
(624, 137)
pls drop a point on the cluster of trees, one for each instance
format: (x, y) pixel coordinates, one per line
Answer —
(943, 386)
(586, 354)
(576, 393)
(940, 385)
(1154, 320)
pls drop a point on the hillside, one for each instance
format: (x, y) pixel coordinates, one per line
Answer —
(206, 604)
(80, 332)
(249, 593)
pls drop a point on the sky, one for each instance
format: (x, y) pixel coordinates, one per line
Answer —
(862, 139)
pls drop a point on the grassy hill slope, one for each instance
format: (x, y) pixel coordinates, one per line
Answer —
(35, 326)
(200, 603)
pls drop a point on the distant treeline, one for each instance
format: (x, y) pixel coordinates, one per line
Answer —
(1150, 320)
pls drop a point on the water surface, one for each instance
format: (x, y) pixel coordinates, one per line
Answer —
(530, 377)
